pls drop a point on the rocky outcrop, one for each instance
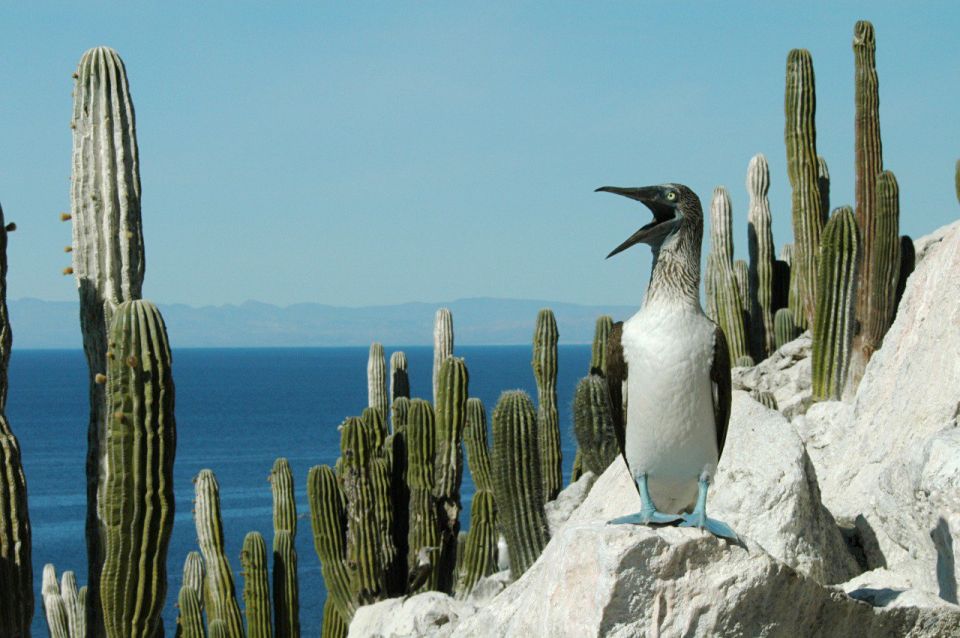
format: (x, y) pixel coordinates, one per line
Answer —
(785, 373)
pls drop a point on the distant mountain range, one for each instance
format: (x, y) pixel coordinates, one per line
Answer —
(478, 321)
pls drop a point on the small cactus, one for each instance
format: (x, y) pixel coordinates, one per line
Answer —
(746, 361)
(834, 321)
(767, 399)
(593, 424)
(784, 328)
(516, 478)
(190, 620)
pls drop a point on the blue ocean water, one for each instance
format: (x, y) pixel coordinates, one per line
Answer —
(237, 410)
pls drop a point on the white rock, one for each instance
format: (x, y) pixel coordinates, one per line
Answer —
(765, 490)
(785, 374)
(559, 509)
(426, 614)
(884, 588)
(923, 245)
(619, 580)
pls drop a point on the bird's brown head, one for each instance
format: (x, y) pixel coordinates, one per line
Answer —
(675, 209)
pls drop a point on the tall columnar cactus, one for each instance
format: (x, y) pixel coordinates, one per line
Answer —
(451, 414)
(598, 351)
(256, 586)
(800, 135)
(442, 343)
(395, 449)
(823, 186)
(762, 258)
(908, 260)
(479, 557)
(377, 379)
(727, 306)
(834, 324)
(286, 594)
(784, 327)
(108, 257)
(516, 478)
(333, 625)
(364, 549)
(219, 594)
(545, 338)
(376, 424)
(190, 620)
(398, 413)
(328, 520)
(193, 577)
(136, 503)
(16, 575)
(721, 224)
(741, 273)
(593, 424)
(399, 380)
(424, 529)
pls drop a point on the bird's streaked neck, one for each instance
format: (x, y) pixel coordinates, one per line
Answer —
(675, 278)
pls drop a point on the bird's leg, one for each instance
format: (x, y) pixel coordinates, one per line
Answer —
(648, 513)
(698, 518)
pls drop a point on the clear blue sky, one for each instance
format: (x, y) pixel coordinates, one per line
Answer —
(357, 154)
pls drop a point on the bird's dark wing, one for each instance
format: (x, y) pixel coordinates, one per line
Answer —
(616, 375)
(720, 378)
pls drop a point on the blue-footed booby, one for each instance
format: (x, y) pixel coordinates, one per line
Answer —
(676, 368)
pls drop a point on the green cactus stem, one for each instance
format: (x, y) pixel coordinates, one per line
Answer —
(399, 379)
(475, 440)
(58, 624)
(108, 256)
(442, 343)
(516, 478)
(598, 351)
(398, 413)
(823, 186)
(137, 502)
(364, 553)
(762, 258)
(766, 398)
(424, 528)
(578, 468)
(328, 520)
(908, 260)
(545, 338)
(16, 569)
(377, 379)
(256, 586)
(784, 328)
(834, 324)
(451, 414)
(219, 594)
(721, 224)
(741, 274)
(399, 497)
(218, 629)
(286, 592)
(190, 620)
(745, 361)
(728, 309)
(373, 417)
(800, 134)
(876, 309)
(480, 547)
(593, 424)
(333, 625)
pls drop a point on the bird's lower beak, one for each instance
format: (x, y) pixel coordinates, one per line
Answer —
(656, 231)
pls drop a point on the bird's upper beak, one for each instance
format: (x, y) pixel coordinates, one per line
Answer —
(664, 215)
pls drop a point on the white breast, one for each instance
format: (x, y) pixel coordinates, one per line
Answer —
(670, 431)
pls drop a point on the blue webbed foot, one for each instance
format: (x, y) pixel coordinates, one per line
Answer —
(698, 517)
(645, 517)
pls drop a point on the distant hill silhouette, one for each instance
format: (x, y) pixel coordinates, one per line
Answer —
(478, 321)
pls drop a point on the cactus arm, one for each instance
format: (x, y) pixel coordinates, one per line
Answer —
(256, 587)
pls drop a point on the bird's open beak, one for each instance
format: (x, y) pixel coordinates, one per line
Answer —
(664, 219)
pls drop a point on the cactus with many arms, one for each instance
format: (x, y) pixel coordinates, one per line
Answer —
(377, 379)
(762, 257)
(545, 338)
(256, 586)
(108, 256)
(593, 424)
(219, 595)
(800, 134)
(451, 417)
(516, 478)
(136, 503)
(834, 321)
(480, 549)
(442, 344)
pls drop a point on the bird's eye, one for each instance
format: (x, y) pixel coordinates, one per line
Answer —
(672, 196)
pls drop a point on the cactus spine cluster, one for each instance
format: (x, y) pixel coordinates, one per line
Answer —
(516, 479)
(219, 594)
(108, 257)
(479, 556)
(834, 321)
(762, 258)
(442, 343)
(545, 338)
(800, 135)
(136, 503)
